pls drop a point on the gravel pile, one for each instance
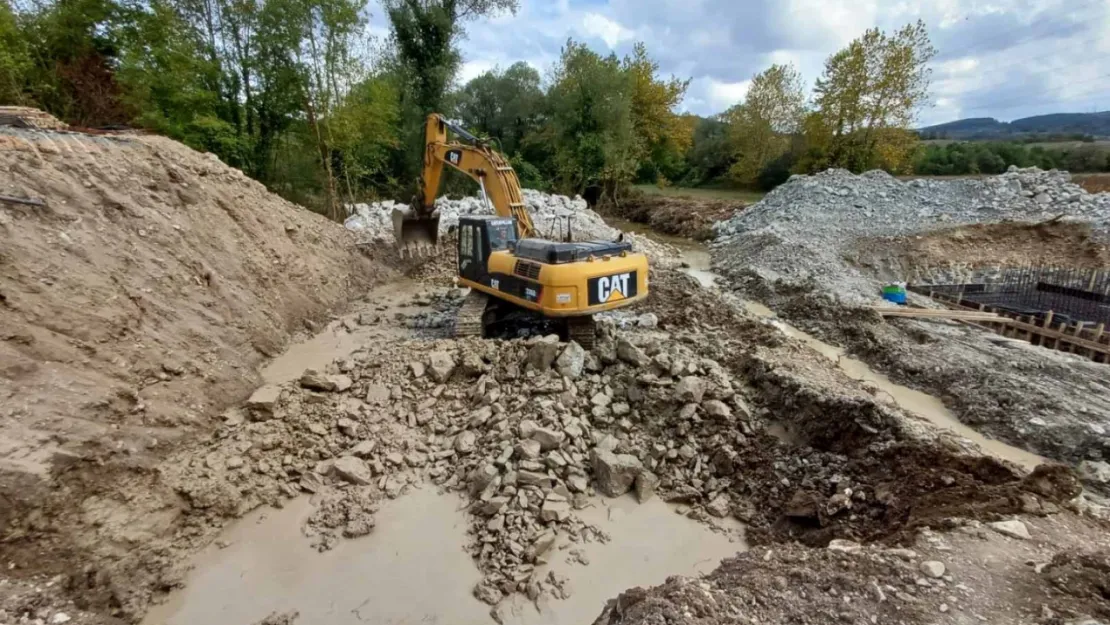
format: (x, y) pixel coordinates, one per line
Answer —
(798, 236)
(551, 216)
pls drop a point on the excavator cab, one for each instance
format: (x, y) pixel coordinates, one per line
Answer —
(479, 237)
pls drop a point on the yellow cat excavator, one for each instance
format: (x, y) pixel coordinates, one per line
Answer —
(508, 268)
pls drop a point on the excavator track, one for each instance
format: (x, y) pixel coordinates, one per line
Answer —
(582, 330)
(470, 320)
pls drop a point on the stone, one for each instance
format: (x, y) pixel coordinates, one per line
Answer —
(527, 428)
(1095, 472)
(472, 365)
(1012, 528)
(465, 442)
(629, 353)
(353, 470)
(720, 506)
(844, 546)
(363, 450)
(572, 361)
(933, 569)
(59, 618)
(440, 366)
(533, 478)
(541, 545)
(578, 483)
(614, 473)
(311, 482)
(348, 427)
(547, 438)
(690, 389)
(265, 399)
(341, 382)
(488, 593)
(378, 394)
(716, 408)
(481, 477)
(541, 356)
(555, 509)
(645, 485)
(493, 506)
(313, 380)
(648, 321)
(528, 449)
(417, 369)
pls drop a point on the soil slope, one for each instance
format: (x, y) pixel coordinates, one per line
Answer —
(139, 299)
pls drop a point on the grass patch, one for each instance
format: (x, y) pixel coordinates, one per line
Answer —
(703, 193)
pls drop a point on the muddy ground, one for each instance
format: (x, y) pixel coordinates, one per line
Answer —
(137, 346)
(691, 218)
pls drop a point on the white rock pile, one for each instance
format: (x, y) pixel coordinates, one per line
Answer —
(552, 215)
(798, 234)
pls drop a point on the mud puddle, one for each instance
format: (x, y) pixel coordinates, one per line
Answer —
(413, 567)
(916, 403)
(694, 255)
(338, 341)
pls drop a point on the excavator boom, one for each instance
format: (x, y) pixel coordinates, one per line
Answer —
(417, 229)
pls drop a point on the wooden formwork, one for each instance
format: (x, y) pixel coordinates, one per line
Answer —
(1080, 338)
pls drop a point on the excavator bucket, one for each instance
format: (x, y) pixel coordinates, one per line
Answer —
(417, 235)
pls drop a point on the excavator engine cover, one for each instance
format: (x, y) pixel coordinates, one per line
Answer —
(416, 234)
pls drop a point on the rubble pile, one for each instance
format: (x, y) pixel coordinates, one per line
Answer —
(529, 431)
(799, 235)
(552, 215)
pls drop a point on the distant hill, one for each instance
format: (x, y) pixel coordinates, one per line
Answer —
(1058, 124)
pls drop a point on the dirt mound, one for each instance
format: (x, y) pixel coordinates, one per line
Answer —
(138, 300)
(678, 216)
(956, 254)
(1083, 575)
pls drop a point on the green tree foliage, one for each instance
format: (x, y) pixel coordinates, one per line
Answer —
(867, 99)
(15, 60)
(761, 128)
(506, 105)
(962, 158)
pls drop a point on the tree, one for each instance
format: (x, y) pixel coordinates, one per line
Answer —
(506, 105)
(867, 100)
(593, 139)
(661, 135)
(425, 38)
(14, 58)
(761, 128)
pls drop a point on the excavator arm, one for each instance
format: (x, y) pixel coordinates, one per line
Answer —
(499, 184)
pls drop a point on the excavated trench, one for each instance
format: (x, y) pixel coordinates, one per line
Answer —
(833, 460)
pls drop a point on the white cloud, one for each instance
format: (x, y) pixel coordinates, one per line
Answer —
(473, 69)
(1000, 58)
(609, 31)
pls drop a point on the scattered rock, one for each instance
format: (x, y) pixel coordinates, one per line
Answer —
(572, 362)
(265, 399)
(932, 568)
(690, 389)
(720, 507)
(631, 354)
(645, 485)
(1012, 528)
(314, 380)
(547, 438)
(441, 365)
(353, 470)
(614, 473)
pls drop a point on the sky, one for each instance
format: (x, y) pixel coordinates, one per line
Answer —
(1005, 59)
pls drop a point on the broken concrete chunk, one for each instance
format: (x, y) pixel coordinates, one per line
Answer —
(645, 484)
(844, 546)
(631, 354)
(363, 450)
(690, 389)
(528, 449)
(341, 382)
(555, 509)
(353, 470)
(932, 568)
(614, 473)
(1012, 528)
(314, 380)
(441, 365)
(716, 408)
(465, 442)
(481, 477)
(547, 438)
(572, 362)
(541, 356)
(720, 507)
(265, 399)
